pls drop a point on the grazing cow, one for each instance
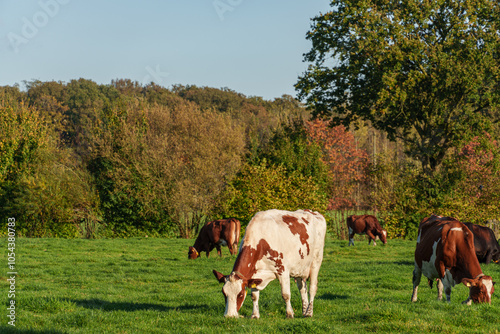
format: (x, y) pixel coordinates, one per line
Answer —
(277, 244)
(225, 232)
(445, 250)
(365, 224)
(485, 243)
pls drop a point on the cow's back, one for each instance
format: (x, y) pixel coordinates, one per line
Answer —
(298, 235)
(372, 222)
(355, 224)
(432, 232)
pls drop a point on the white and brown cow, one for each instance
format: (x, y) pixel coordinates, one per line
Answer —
(365, 224)
(277, 244)
(445, 250)
(217, 233)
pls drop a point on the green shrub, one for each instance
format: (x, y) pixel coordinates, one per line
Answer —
(264, 187)
(41, 185)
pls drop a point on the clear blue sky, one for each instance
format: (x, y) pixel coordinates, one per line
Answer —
(254, 47)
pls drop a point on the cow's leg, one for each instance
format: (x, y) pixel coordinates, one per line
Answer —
(208, 249)
(440, 289)
(371, 237)
(285, 293)
(447, 282)
(313, 288)
(489, 255)
(302, 285)
(219, 251)
(417, 275)
(255, 300)
(351, 237)
(447, 291)
(230, 246)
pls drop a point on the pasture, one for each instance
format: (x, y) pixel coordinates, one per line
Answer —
(145, 285)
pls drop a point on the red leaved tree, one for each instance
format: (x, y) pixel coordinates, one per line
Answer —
(478, 160)
(347, 163)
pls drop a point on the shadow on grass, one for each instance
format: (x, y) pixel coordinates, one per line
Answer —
(10, 329)
(132, 307)
(405, 263)
(331, 296)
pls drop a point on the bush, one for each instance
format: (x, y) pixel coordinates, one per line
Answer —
(264, 187)
(40, 184)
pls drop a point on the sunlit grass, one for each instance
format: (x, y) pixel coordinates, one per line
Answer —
(149, 286)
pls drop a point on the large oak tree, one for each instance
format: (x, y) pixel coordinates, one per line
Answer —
(426, 72)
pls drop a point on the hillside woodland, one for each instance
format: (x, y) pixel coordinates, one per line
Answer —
(81, 159)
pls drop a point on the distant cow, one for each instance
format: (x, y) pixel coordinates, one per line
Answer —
(445, 250)
(485, 243)
(277, 244)
(223, 232)
(365, 224)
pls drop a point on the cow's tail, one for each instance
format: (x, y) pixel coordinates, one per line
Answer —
(236, 234)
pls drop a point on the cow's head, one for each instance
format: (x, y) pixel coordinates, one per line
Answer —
(480, 289)
(383, 236)
(193, 253)
(234, 291)
(495, 257)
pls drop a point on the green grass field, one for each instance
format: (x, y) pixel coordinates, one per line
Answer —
(149, 286)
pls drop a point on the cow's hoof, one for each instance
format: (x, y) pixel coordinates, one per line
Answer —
(255, 316)
(289, 316)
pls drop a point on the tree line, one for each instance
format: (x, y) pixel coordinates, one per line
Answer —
(82, 159)
(117, 160)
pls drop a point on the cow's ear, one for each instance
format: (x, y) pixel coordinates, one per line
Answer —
(469, 282)
(254, 282)
(220, 277)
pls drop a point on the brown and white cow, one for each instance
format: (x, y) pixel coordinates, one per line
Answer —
(445, 250)
(277, 244)
(365, 224)
(217, 233)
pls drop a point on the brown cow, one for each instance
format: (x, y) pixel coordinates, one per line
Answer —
(365, 224)
(487, 247)
(445, 250)
(225, 232)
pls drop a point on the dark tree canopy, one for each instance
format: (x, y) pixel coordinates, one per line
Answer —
(426, 72)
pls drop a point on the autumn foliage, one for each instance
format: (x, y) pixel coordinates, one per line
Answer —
(80, 159)
(346, 162)
(476, 160)
(479, 185)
